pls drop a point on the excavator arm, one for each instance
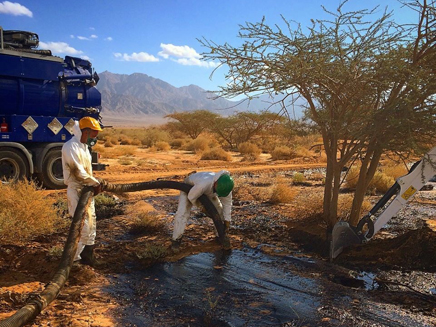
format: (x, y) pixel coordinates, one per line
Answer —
(402, 191)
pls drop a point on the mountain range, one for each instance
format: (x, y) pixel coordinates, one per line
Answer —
(138, 95)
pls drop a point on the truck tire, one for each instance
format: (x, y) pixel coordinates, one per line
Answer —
(52, 176)
(13, 165)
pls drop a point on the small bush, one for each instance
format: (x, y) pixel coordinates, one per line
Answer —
(395, 171)
(152, 252)
(152, 135)
(250, 151)
(379, 183)
(178, 143)
(200, 144)
(107, 206)
(108, 144)
(216, 154)
(146, 223)
(282, 193)
(282, 153)
(25, 213)
(162, 146)
(119, 151)
(125, 140)
(298, 178)
(125, 161)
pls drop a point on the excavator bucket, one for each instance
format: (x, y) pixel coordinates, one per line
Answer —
(342, 236)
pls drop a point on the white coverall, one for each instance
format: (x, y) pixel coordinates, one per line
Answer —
(77, 171)
(202, 184)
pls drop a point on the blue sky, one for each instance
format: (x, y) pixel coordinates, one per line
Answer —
(159, 38)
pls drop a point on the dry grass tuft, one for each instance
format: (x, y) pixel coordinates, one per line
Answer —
(216, 154)
(250, 151)
(147, 223)
(283, 153)
(25, 213)
(283, 193)
(162, 146)
(200, 144)
(381, 182)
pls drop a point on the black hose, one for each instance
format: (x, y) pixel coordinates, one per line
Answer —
(162, 184)
(52, 289)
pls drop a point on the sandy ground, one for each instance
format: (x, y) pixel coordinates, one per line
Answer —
(408, 249)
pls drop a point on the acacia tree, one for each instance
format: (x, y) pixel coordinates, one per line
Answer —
(192, 123)
(243, 126)
(368, 86)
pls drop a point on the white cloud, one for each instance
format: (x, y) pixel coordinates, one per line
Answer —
(72, 36)
(184, 55)
(140, 57)
(109, 38)
(82, 38)
(93, 36)
(179, 51)
(92, 28)
(14, 8)
(59, 47)
(85, 58)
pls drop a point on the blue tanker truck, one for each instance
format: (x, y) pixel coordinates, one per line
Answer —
(41, 96)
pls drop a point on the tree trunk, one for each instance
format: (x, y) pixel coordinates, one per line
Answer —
(367, 171)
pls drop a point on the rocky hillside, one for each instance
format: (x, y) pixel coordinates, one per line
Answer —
(139, 94)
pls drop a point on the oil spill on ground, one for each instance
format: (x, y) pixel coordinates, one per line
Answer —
(248, 288)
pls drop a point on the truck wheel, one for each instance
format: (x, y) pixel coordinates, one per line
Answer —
(13, 166)
(52, 176)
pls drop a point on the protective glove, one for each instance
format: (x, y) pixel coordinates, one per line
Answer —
(100, 187)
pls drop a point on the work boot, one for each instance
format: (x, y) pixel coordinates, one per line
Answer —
(175, 245)
(88, 257)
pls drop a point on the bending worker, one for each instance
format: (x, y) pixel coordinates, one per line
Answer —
(216, 186)
(77, 171)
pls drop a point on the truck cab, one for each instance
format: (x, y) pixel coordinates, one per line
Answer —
(41, 96)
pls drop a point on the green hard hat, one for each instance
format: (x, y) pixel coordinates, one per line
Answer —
(224, 185)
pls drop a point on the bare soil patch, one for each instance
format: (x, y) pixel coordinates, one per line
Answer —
(402, 256)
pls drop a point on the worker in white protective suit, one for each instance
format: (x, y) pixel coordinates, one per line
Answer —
(216, 186)
(77, 171)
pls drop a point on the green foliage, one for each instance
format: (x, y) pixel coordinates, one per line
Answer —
(367, 83)
(192, 123)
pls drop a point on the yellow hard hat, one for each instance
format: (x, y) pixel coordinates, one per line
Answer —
(89, 122)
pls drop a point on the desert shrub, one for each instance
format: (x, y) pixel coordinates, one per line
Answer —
(352, 177)
(151, 136)
(216, 154)
(303, 152)
(250, 151)
(108, 144)
(125, 161)
(107, 206)
(282, 153)
(381, 182)
(119, 151)
(124, 140)
(162, 146)
(146, 223)
(152, 252)
(136, 142)
(395, 171)
(198, 145)
(178, 143)
(282, 193)
(298, 178)
(26, 213)
(310, 204)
